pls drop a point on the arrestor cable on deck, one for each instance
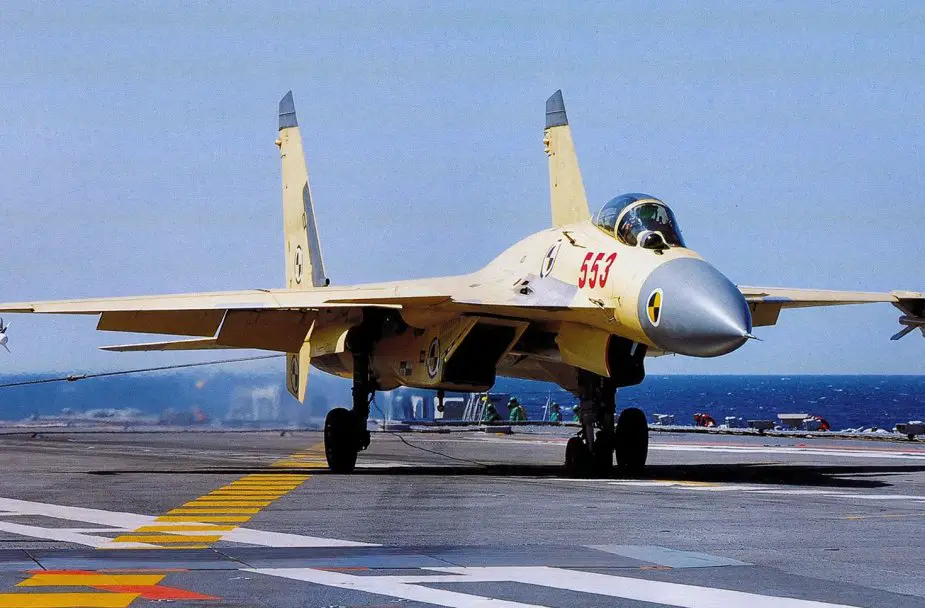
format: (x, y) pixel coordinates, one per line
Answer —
(76, 377)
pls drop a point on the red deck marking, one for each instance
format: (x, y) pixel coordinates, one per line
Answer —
(157, 592)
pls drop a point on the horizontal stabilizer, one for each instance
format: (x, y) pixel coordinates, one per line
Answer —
(206, 344)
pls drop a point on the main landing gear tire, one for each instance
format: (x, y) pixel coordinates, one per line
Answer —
(576, 458)
(602, 458)
(632, 441)
(340, 440)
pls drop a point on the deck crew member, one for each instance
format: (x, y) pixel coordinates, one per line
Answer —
(518, 413)
(555, 412)
(490, 413)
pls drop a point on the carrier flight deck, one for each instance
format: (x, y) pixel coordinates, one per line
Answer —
(457, 519)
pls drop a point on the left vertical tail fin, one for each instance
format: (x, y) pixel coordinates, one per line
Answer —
(304, 266)
(566, 190)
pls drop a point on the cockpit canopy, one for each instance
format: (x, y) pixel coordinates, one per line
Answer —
(639, 219)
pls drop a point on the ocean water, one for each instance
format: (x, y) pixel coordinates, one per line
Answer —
(845, 401)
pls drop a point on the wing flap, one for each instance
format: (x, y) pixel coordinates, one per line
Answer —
(178, 322)
(278, 330)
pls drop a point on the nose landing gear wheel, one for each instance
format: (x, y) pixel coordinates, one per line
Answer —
(632, 441)
(340, 440)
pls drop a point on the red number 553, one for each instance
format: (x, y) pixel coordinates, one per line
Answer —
(593, 276)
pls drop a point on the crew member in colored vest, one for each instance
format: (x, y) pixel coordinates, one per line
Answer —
(518, 413)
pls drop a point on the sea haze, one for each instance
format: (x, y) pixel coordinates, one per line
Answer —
(845, 401)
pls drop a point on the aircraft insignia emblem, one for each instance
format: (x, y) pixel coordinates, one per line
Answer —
(654, 307)
(433, 358)
(299, 264)
(550, 259)
(294, 372)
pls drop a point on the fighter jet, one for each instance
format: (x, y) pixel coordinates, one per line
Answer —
(581, 304)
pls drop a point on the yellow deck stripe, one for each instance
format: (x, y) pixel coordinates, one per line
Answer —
(245, 494)
(274, 475)
(223, 495)
(213, 511)
(230, 519)
(295, 464)
(199, 502)
(157, 539)
(253, 490)
(245, 490)
(264, 485)
(131, 548)
(257, 489)
(185, 528)
(51, 579)
(66, 600)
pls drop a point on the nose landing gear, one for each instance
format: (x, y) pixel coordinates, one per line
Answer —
(591, 452)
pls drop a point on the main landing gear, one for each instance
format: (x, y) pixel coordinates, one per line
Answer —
(591, 452)
(345, 432)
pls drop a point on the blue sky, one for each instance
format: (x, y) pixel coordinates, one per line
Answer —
(137, 156)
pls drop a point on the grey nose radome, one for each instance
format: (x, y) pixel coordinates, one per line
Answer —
(688, 307)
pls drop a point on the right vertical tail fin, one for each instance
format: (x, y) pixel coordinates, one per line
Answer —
(304, 266)
(566, 190)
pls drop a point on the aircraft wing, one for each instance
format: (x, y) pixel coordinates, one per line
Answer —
(265, 319)
(767, 302)
(279, 319)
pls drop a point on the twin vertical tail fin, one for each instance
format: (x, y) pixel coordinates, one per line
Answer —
(304, 266)
(566, 190)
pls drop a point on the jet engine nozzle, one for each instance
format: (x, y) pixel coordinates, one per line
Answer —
(688, 307)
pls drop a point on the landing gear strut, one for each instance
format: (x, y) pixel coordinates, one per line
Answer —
(591, 452)
(345, 432)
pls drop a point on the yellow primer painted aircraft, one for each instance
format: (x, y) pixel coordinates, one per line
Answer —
(580, 304)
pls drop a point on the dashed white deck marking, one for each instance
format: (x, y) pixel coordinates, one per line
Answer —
(658, 592)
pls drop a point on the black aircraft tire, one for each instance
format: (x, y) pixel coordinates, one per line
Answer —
(340, 441)
(632, 441)
(602, 459)
(576, 458)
